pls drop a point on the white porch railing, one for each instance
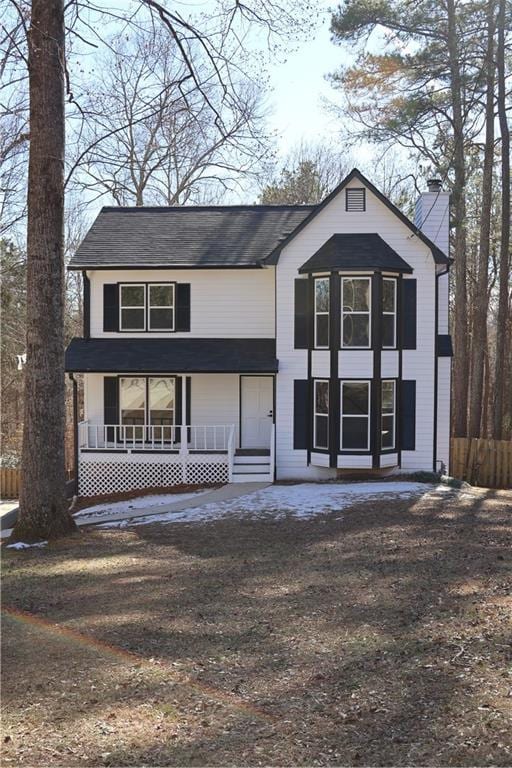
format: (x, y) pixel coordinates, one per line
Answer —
(152, 437)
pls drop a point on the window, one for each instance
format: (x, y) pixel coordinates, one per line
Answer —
(355, 415)
(132, 307)
(355, 199)
(157, 395)
(161, 307)
(321, 415)
(132, 402)
(161, 406)
(388, 312)
(356, 297)
(388, 415)
(322, 312)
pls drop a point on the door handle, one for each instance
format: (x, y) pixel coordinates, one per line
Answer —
(270, 414)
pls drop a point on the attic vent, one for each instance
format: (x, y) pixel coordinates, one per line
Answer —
(355, 199)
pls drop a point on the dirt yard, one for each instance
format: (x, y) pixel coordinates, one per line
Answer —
(380, 635)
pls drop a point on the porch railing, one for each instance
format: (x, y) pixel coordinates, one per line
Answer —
(154, 437)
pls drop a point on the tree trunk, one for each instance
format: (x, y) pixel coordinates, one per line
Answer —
(43, 505)
(461, 353)
(481, 300)
(504, 269)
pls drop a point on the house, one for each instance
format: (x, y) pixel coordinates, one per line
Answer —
(235, 343)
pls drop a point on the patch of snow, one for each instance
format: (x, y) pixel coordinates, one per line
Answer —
(302, 501)
(23, 545)
(141, 502)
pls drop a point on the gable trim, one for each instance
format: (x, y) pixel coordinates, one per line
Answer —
(437, 253)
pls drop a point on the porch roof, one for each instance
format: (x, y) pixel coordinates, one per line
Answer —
(171, 356)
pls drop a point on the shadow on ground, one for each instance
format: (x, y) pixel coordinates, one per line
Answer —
(377, 635)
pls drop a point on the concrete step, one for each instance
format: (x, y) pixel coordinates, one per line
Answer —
(243, 460)
(253, 477)
(250, 468)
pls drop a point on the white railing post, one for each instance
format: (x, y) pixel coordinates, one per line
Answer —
(231, 452)
(272, 451)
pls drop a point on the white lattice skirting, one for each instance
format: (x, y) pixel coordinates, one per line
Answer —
(115, 473)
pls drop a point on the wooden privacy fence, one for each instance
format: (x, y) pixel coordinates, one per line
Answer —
(9, 483)
(482, 462)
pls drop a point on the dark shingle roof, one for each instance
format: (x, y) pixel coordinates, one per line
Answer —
(171, 356)
(355, 251)
(228, 236)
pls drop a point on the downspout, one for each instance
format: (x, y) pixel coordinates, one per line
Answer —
(436, 365)
(75, 433)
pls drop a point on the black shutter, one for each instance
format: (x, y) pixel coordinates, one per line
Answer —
(183, 307)
(110, 307)
(87, 305)
(177, 408)
(110, 403)
(407, 415)
(408, 314)
(300, 413)
(302, 318)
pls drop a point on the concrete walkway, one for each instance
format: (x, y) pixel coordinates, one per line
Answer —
(225, 493)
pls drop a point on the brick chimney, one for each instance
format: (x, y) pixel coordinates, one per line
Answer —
(432, 214)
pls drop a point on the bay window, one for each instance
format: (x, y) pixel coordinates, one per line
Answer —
(355, 415)
(355, 300)
(132, 307)
(389, 312)
(322, 312)
(388, 407)
(321, 415)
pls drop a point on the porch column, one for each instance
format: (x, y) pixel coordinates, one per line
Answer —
(184, 435)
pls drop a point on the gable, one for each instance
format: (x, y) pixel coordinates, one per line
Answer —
(356, 181)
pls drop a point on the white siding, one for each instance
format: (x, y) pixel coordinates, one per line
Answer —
(354, 364)
(355, 462)
(418, 364)
(443, 283)
(320, 364)
(432, 215)
(225, 303)
(389, 365)
(443, 412)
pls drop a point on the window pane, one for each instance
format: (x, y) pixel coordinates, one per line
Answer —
(322, 295)
(322, 397)
(388, 330)
(160, 319)
(132, 319)
(356, 295)
(161, 394)
(133, 394)
(132, 295)
(388, 437)
(161, 295)
(356, 330)
(388, 295)
(354, 433)
(322, 330)
(355, 398)
(321, 438)
(388, 396)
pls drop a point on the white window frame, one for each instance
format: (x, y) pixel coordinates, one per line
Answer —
(149, 409)
(368, 313)
(317, 313)
(121, 306)
(158, 306)
(323, 415)
(394, 281)
(392, 413)
(355, 415)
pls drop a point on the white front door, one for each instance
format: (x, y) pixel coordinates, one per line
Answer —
(256, 411)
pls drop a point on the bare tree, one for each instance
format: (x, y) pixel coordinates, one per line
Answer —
(152, 140)
(43, 508)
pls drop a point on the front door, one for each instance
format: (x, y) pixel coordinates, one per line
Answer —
(256, 411)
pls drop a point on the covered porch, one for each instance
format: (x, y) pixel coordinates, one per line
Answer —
(149, 429)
